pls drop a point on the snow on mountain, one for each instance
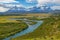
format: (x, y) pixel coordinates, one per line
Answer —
(17, 7)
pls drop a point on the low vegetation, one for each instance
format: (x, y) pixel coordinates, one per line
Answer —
(49, 30)
(11, 28)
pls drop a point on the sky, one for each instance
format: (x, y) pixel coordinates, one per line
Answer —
(55, 4)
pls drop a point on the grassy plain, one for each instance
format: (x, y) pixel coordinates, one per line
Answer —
(49, 30)
(10, 27)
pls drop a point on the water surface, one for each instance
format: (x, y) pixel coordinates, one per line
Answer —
(30, 29)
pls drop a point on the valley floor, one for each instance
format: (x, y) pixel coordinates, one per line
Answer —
(49, 30)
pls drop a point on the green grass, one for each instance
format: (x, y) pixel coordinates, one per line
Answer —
(32, 23)
(11, 28)
(49, 30)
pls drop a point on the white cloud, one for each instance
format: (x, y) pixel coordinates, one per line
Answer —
(19, 5)
(55, 7)
(30, 1)
(43, 1)
(48, 1)
(5, 7)
(2, 9)
(7, 1)
(40, 3)
(13, 5)
(56, 1)
(51, 2)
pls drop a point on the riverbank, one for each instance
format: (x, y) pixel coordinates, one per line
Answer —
(30, 29)
(49, 30)
(10, 28)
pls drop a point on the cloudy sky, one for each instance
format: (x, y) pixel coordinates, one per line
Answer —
(30, 3)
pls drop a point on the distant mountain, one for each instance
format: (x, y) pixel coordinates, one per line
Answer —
(39, 9)
(20, 9)
(16, 10)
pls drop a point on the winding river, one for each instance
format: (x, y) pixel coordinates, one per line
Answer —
(30, 29)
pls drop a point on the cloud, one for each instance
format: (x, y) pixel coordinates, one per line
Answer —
(4, 6)
(48, 1)
(55, 7)
(2, 9)
(56, 1)
(43, 1)
(13, 5)
(40, 3)
(30, 1)
(7, 1)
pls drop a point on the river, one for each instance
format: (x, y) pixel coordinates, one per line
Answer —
(30, 29)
